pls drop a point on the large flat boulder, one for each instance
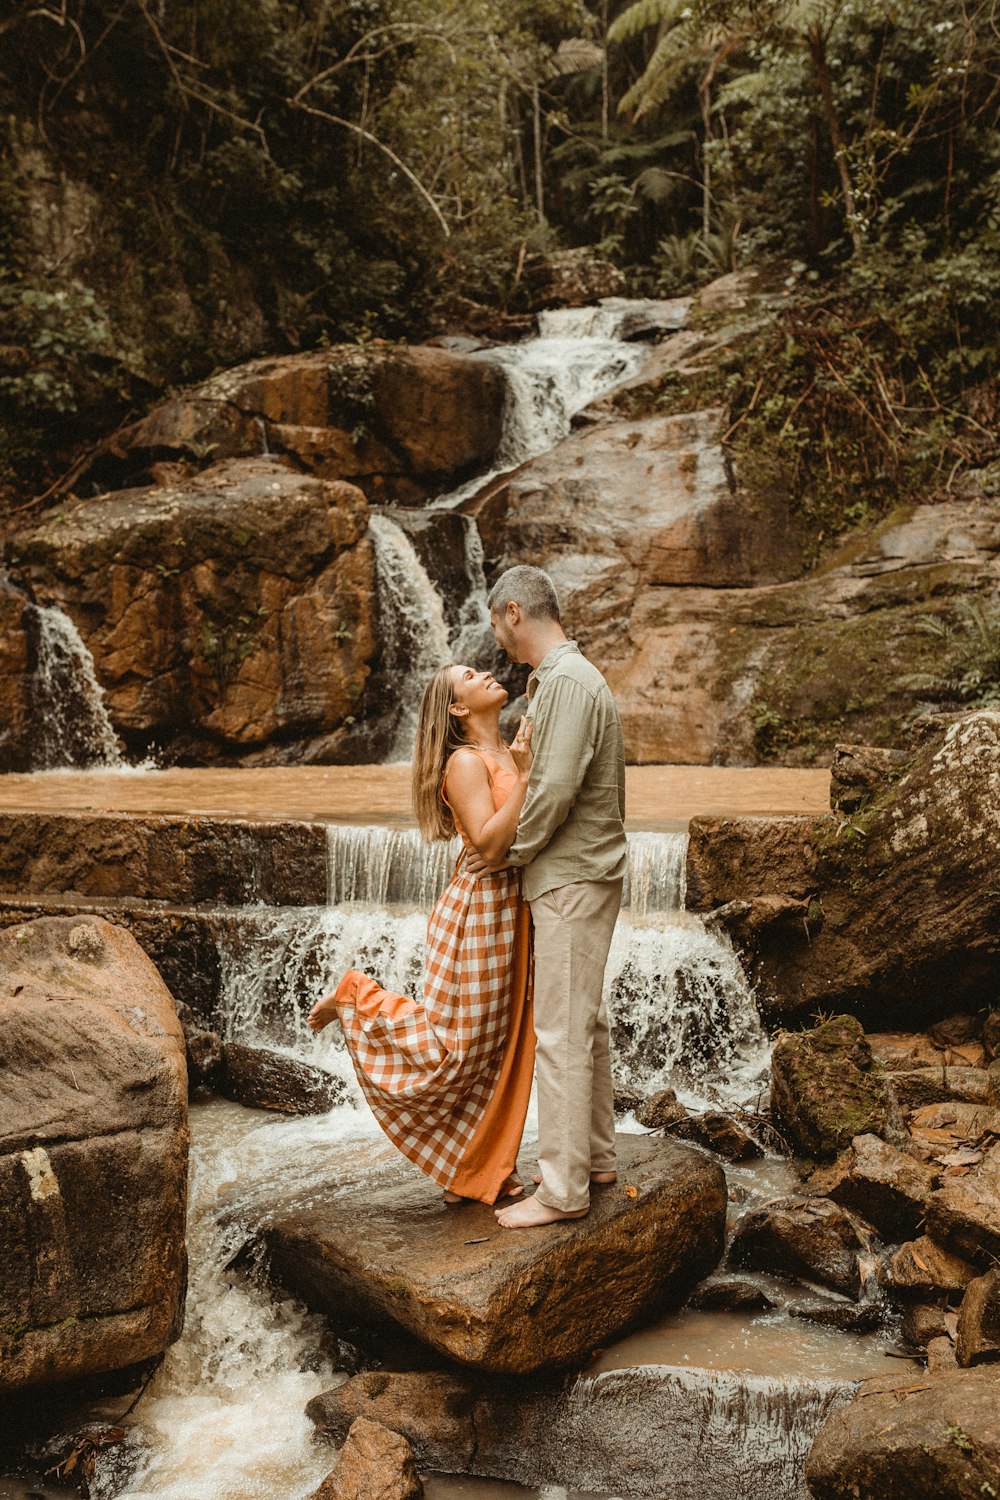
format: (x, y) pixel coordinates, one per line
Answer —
(906, 1437)
(638, 1433)
(93, 1153)
(513, 1302)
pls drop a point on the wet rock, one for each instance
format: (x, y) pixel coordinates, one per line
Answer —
(719, 1133)
(729, 1294)
(807, 1239)
(858, 772)
(941, 1085)
(227, 612)
(907, 1437)
(922, 1322)
(721, 1433)
(899, 929)
(220, 862)
(375, 1463)
(16, 734)
(993, 1082)
(93, 1154)
(921, 1266)
(906, 1052)
(660, 1110)
(978, 1340)
(956, 1031)
(738, 859)
(943, 1124)
(964, 1213)
(991, 1033)
(886, 1186)
(97, 1459)
(940, 1356)
(203, 1049)
(262, 1079)
(765, 916)
(825, 1089)
(849, 1317)
(392, 1253)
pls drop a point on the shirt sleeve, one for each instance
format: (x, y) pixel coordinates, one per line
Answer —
(563, 742)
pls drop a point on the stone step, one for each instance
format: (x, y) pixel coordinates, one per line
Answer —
(389, 1252)
(184, 860)
(639, 1433)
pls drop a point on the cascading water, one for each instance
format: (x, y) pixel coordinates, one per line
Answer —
(578, 356)
(411, 618)
(73, 724)
(681, 1010)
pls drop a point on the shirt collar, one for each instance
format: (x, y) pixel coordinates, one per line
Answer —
(547, 662)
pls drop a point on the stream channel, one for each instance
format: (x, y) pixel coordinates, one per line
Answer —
(735, 1397)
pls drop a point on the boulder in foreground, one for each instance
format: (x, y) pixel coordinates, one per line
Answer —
(912, 1437)
(375, 1463)
(512, 1302)
(93, 1153)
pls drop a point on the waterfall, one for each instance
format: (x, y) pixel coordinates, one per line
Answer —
(681, 1010)
(72, 722)
(385, 866)
(414, 634)
(578, 356)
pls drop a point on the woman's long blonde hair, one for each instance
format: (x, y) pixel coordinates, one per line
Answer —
(439, 734)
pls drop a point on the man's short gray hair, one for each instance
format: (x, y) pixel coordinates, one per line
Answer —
(531, 588)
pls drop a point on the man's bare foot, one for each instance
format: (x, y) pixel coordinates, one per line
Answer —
(322, 1013)
(600, 1179)
(529, 1214)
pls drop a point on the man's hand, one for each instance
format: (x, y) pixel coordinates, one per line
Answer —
(477, 865)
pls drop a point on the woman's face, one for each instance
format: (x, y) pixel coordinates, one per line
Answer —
(475, 691)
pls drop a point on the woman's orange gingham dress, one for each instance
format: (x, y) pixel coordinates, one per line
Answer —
(448, 1077)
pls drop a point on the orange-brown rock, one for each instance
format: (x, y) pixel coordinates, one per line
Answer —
(226, 613)
(375, 1463)
(912, 1437)
(401, 422)
(15, 677)
(93, 1153)
(390, 1252)
(922, 1266)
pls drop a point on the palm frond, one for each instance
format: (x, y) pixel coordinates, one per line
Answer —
(642, 14)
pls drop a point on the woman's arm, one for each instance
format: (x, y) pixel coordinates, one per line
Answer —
(468, 784)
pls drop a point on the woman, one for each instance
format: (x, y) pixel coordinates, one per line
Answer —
(448, 1077)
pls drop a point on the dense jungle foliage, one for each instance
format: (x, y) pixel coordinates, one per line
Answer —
(189, 182)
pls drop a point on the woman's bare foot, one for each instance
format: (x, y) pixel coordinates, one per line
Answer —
(599, 1179)
(322, 1013)
(512, 1188)
(529, 1214)
(452, 1198)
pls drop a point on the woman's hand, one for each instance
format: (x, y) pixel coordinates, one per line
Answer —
(520, 747)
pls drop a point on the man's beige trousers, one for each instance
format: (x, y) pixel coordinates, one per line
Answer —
(576, 1116)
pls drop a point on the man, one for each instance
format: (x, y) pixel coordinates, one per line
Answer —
(571, 841)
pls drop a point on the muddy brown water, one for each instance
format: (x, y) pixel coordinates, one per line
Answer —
(657, 797)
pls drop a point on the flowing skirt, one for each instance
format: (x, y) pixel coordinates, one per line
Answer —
(448, 1077)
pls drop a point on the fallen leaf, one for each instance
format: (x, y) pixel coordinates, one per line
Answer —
(919, 1260)
(484, 1240)
(962, 1156)
(631, 1192)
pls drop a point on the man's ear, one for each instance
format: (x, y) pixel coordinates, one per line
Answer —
(513, 613)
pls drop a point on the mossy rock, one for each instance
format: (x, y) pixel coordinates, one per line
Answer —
(826, 1087)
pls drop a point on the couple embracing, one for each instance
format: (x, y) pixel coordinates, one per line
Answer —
(532, 905)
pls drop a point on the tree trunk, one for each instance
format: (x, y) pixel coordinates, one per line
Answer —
(816, 43)
(539, 186)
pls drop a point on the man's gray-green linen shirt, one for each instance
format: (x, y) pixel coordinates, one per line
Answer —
(572, 825)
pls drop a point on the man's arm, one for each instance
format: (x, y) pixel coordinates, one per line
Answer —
(563, 744)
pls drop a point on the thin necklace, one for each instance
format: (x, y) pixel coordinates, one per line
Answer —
(490, 749)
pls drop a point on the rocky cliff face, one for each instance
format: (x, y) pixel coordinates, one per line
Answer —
(226, 612)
